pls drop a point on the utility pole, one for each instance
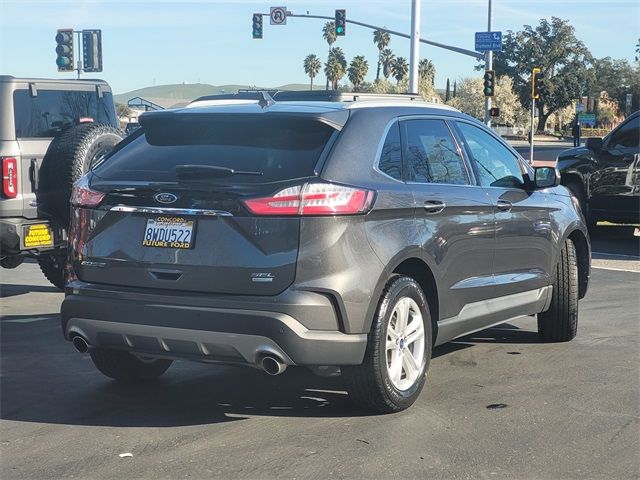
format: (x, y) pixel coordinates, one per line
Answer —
(488, 66)
(414, 56)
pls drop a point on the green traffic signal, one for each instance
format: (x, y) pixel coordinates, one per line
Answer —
(489, 83)
(64, 50)
(341, 22)
(257, 25)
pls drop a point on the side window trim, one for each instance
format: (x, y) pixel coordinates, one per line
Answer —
(403, 138)
(383, 140)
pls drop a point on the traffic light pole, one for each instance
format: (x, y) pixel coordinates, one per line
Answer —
(488, 66)
(533, 116)
(414, 55)
(462, 51)
(79, 68)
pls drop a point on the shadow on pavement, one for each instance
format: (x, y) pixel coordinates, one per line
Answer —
(11, 290)
(45, 381)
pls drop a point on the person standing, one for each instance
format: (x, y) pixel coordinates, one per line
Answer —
(575, 131)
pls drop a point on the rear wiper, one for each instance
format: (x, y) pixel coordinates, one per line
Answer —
(207, 171)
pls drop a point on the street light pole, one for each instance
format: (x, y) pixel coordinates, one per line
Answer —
(488, 66)
(414, 56)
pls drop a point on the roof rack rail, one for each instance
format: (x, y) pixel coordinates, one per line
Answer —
(310, 95)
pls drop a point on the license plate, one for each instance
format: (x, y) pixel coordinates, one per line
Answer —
(37, 235)
(169, 232)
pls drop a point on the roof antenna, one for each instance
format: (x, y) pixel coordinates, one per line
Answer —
(266, 100)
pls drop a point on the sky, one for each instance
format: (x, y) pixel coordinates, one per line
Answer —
(147, 42)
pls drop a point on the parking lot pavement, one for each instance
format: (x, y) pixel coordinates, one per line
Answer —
(498, 404)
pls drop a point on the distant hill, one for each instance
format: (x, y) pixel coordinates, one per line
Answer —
(190, 91)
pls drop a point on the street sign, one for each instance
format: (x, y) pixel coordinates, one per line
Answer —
(278, 15)
(587, 119)
(488, 41)
(579, 107)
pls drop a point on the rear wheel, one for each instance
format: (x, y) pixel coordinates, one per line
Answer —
(560, 322)
(398, 351)
(126, 367)
(52, 266)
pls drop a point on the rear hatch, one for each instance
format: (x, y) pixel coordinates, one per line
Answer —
(173, 215)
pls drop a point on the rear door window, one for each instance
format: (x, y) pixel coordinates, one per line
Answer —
(274, 148)
(432, 155)
(51, 111)
(391, 157)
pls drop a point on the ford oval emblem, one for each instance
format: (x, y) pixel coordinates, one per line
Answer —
(165, 197)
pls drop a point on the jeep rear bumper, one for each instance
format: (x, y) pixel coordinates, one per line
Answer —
(12, 236)
(155, 327)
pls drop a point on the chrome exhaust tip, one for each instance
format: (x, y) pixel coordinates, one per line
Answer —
(80, 344)
(272, 365)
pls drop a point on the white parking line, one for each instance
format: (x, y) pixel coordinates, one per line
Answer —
(616, 269)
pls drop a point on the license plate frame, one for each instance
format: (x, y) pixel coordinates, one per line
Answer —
(37, 235)
(168, 231)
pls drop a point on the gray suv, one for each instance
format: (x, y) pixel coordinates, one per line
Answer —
(50, 131)
(349, 236)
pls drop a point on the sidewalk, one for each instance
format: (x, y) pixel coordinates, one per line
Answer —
(546, 140)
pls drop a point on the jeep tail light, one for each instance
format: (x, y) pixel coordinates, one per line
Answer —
(9, 177)
(83, 196)
(313, 199)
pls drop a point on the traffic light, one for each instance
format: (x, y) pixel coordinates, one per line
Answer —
(536, 82)
(64, 49)
(489, 83)
(257, 25)
(341, 22)
(494, 112)
(92, 50)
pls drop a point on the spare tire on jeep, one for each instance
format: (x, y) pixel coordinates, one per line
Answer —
(68, 158)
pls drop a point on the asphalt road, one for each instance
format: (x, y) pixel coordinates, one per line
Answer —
(498, 404)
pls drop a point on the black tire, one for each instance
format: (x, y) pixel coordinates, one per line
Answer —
(53, 267)
(68, 158)
(560, 322)
(126, 367)
(368, 384)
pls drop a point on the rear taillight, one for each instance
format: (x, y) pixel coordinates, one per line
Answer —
(313, 199)
(83, 196)
(9, 177)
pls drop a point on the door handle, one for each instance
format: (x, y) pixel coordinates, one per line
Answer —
(433, 206)
(504, 206)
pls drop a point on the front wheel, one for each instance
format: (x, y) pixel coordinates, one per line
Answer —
(398, 352)
(560, 322)
(127, 367)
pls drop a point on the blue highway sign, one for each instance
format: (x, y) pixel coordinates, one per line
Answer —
(488, 41)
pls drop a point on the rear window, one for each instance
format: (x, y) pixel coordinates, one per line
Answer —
(51, 111)
(278, 148)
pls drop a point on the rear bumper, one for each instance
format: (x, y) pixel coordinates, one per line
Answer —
(12, 236)
(204, 332)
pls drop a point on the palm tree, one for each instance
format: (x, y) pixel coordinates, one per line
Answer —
(357, 71)
(329, 34)
(426, 70)
(381, 39)
(399, 68)
(386, 58)
(312, 66)
(336, 66)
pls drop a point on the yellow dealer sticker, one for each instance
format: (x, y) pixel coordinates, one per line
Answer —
(38, 235)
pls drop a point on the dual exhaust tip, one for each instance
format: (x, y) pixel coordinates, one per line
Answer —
(270, 364)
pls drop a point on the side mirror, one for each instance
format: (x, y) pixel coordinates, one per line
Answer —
(546, 177)
(594, 144)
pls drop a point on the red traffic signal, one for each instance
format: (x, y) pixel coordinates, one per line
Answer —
(494, 112)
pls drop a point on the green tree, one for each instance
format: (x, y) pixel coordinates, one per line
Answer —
(336, 66)
(387, 58)
(616, 77)
(123, 110)
(358, 69)
(399, 68)
(381, 39)
(312, 66)
(447, 94)
(426, 70)
(564, 60)
(329, 35)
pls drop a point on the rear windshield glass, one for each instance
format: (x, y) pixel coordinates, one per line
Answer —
(277, 148)
(51, 111)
